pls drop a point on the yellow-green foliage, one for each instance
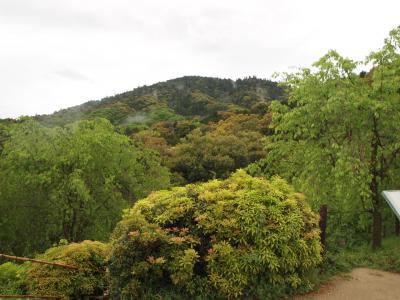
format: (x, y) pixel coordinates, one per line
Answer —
(89, 279)
(240, 237)
(12, 278)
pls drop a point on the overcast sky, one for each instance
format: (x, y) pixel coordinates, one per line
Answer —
(59, 53)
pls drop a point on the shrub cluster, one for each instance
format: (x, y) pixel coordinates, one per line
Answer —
(240, 237)
(88, 280)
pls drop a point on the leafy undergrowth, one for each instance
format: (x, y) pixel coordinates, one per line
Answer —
(88, 280)
(13, 278)
(386, 258)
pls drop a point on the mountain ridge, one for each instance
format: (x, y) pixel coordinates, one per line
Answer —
(182, 97)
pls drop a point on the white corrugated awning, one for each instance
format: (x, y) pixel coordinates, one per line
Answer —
(393, 199)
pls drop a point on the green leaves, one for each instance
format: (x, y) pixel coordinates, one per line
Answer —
(88, 280)
(337, 140)
(219, 149)
(13, 278)
(222, 236)
(70, 182)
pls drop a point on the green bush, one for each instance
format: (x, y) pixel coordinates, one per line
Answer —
(89, 279)
(239, 237)
(12, 278)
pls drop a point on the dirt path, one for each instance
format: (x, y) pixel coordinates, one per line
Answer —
(362, 284)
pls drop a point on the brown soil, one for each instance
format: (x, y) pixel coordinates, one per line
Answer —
(360, 284)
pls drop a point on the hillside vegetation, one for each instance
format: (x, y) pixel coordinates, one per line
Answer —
(205, 187)
(174, 100)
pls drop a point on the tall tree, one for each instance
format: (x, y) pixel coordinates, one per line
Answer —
(339, 136)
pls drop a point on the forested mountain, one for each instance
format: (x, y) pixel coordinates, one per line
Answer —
(175, 99)
(202, 127)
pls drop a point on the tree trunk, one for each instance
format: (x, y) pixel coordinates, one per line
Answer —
(397, 226)
(376, 200)
(376, 229)
(73, 225)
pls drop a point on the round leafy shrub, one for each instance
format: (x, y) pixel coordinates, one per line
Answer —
(240, 237)
(89, 279)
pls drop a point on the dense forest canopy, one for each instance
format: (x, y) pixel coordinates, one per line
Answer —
(69, 175)
(174, 99)
(69, 183)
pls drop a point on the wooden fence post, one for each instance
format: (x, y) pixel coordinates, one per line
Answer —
(323, 219)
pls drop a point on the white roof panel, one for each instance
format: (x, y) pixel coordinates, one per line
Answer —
(393, 198)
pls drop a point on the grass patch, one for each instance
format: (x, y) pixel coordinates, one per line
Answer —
(342, 261)
(385, 258)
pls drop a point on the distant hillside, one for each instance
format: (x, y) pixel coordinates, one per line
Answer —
(176, 99)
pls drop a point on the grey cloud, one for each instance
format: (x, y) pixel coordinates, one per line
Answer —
(51, 49)
(58, 14)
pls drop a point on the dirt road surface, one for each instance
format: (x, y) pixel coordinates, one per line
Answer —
(362, 284)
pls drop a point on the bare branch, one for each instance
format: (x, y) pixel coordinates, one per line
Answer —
(62, 265)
